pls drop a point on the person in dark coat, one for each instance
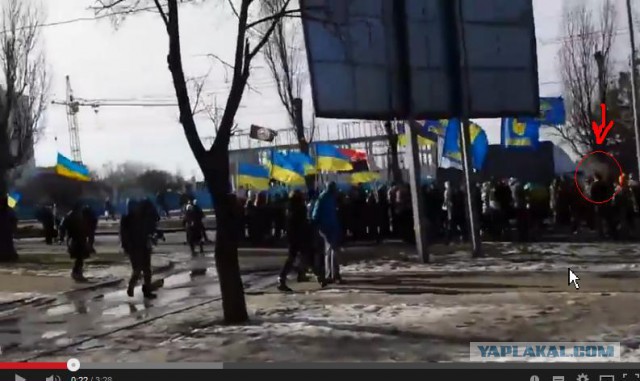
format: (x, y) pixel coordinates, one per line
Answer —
(601, 191)
(259, 218)
(91, 219)
(519, 197)
(45, 216)
(193, 228)
(78, 229)
(298, 237)
(316, 242)
(199, 214)
(109, 211)
(161, 200)
(383, 209)
(135, 239)
(372, 218)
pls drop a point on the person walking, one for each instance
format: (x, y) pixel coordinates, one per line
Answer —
(78, 229)
(326, 218)
(298, 237)
(135, 241)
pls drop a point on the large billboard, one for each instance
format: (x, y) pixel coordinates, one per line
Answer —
(352, 53)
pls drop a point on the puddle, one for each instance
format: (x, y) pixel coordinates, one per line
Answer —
(64, 309)
(52, 334)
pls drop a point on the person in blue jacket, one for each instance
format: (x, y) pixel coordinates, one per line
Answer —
(325, 217)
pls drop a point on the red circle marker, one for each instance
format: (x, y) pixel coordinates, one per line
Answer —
(575, 177)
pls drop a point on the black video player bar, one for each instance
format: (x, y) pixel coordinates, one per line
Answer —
(532, 372)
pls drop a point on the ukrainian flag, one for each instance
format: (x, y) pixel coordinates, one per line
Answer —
(67, 168)
(13, 199)
(253, 176)
(304, 160)
(479, 143)
(425, 137)
(520, 132)
(451, 147)
(284, 170)
(330, 159)
(437, 127)
(364, 177)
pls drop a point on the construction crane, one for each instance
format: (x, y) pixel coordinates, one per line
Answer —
(73, 105)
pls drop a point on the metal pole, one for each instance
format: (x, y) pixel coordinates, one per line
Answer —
(400, 25)
(634, 82)
(472, 215)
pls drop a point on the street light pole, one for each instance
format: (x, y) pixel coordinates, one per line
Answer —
(634, 82)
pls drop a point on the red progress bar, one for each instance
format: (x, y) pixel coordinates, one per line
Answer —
(33, 365)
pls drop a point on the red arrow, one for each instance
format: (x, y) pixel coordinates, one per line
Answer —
(601, 130)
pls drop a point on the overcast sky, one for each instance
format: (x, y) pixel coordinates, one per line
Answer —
(130, 63)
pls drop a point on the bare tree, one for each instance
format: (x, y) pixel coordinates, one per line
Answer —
(23, 95)
(588, 34)
(214, 161)
(214, 113)
(282, 54)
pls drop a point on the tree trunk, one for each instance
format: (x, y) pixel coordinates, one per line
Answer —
(215, 167)
(303, 145)
(7, 249)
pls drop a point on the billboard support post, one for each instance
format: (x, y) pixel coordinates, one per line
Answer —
(461, 77)
(400, 28)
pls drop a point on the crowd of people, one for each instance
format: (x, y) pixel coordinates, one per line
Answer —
(316, 226)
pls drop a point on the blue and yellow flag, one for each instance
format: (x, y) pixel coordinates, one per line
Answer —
(67, 168)
(329, 158)
(253, 176)
(284, 170)
(552, 111)
(437, 127)
(520, 132)
(305, 161)
(12, 199)
(451, 147)
(479, 143)
(364, 177)
(426, 135)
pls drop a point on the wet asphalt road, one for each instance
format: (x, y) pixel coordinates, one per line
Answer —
(78, 318)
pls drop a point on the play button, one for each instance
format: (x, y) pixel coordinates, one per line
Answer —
(19, 378)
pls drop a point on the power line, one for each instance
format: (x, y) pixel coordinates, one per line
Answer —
(80, 19)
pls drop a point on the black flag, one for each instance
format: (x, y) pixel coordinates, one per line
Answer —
(262, 133)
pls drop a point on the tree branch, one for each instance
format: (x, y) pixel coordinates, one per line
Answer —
(179, 83)
(162, 14)
(276, 17)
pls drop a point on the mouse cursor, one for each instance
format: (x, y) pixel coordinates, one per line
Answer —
(573, 278)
